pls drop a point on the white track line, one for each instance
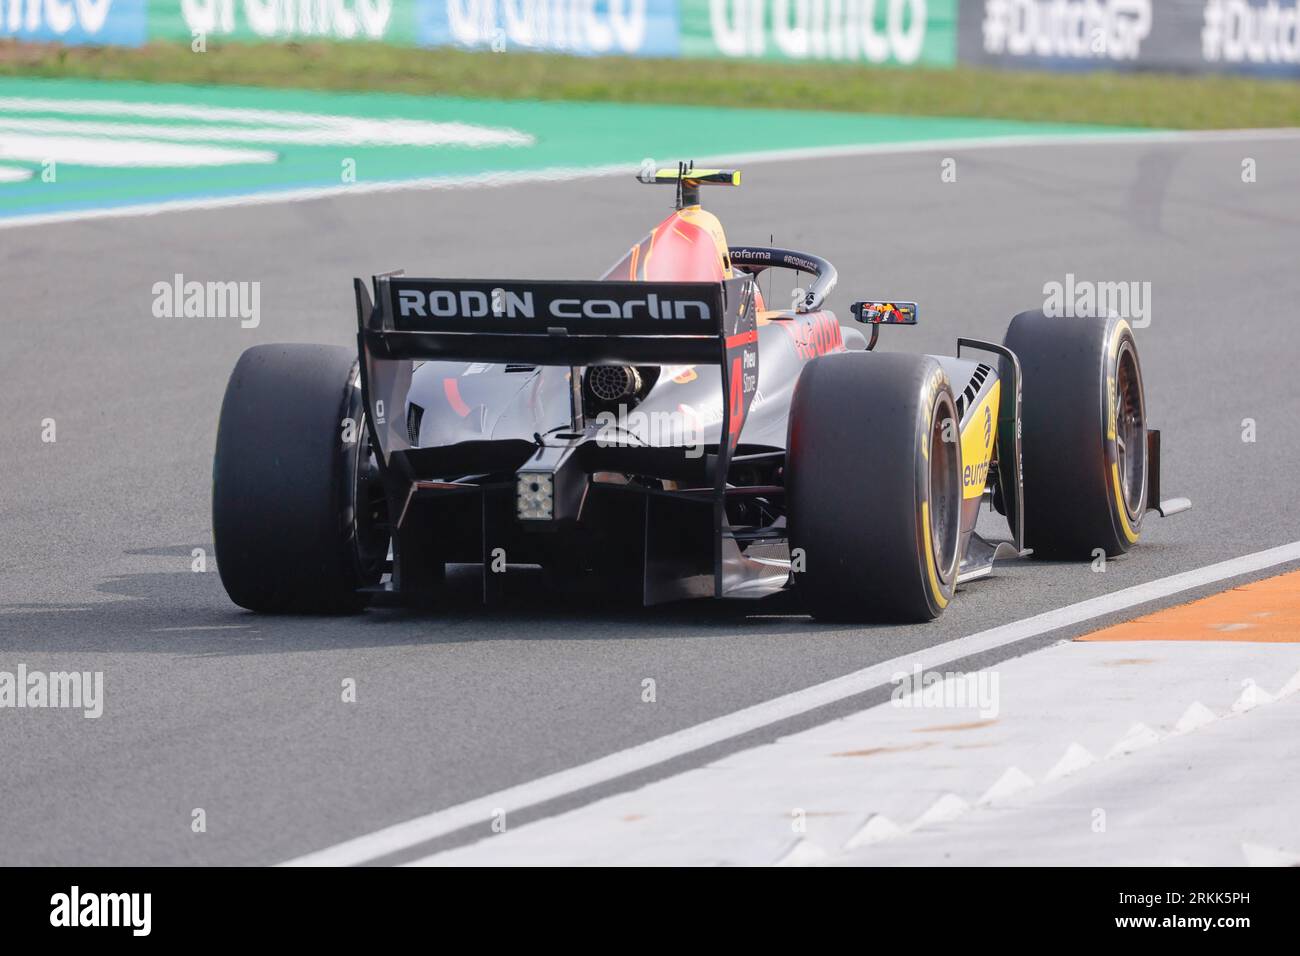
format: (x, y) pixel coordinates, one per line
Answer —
(479, 811)
(561, 173)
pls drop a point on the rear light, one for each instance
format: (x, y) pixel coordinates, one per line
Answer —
(535, 496)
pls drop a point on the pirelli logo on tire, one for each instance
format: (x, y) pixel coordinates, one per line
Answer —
(937, 382)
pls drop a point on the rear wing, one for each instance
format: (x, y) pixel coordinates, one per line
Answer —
(550, 322)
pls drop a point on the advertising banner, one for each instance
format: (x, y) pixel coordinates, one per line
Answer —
(865, 31)
(1256, 36)
(391, 21)
(106, 22)
(584, 27)
(903, 32)
(593, 27)
(1260, 37)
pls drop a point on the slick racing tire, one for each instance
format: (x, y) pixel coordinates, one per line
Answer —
(1083, 432)
(296, 503)
(873, 485)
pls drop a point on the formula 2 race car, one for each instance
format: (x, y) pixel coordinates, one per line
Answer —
(664, 430)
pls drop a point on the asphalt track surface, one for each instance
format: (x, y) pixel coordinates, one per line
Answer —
(210, 707)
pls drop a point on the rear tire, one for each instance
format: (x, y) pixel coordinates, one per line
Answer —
(1083, 434)
(874, 487)
(286, 481)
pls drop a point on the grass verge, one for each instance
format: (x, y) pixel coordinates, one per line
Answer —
(1145, 99)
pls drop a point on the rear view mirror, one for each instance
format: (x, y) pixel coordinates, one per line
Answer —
(884, 313)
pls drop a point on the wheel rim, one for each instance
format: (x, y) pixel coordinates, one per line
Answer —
(1130, 432)
(945, 492)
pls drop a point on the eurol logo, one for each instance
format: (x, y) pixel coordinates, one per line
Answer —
(120, 22)
(594, 27)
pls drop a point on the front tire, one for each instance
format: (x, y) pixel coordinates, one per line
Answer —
(1083, 434)
(296, 509)
(873, 485)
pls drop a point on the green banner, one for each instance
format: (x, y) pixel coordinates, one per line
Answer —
(904, 32)
(377, 21)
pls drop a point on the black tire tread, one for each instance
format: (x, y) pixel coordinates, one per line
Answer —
(1069, 505)
(279, 491)
(851, 483)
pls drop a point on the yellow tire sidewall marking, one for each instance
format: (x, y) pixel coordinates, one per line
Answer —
(935, 588)
(1112, 410)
